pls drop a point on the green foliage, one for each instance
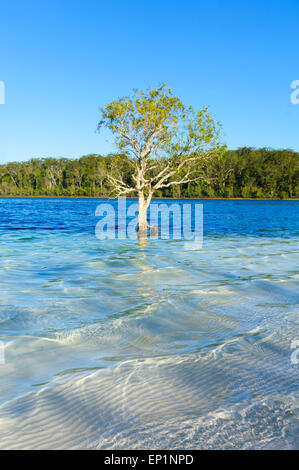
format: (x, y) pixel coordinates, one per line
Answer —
(158, 122)
(242, 173)
(166, 140)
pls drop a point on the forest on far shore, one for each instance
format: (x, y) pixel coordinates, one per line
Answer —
(243, 173)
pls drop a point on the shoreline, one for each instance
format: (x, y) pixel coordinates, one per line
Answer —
(159, 198)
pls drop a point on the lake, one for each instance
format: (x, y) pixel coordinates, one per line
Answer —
(120, 344)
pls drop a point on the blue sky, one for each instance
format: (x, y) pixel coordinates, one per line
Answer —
(61, 60)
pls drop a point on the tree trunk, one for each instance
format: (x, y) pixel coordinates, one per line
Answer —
(142, 213)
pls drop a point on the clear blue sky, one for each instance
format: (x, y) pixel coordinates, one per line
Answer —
(63, 59)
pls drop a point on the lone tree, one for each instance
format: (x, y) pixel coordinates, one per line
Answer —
(165, 142)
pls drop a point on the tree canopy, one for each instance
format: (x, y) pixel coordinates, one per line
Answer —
(243, 173)
(168, 143)
(164, 139)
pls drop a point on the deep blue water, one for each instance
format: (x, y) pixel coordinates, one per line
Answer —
(257, 218)
(148, 344)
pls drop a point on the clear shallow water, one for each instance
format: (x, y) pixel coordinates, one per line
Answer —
(117, 344)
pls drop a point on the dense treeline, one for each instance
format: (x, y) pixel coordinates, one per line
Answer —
(242, 173)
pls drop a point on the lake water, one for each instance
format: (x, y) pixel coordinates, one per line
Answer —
(120, 344)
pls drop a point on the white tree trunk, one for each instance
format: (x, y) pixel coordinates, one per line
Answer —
(142, 213)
